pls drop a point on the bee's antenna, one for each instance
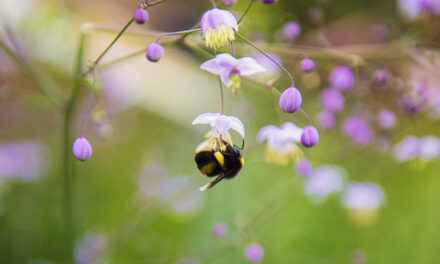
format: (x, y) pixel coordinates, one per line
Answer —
(242, 145)
(211, 184)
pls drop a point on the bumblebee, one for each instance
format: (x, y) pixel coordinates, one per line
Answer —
(225, 162)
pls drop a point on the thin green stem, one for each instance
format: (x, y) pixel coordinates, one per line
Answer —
(113, 42)
(245, 11)
(306, 115)
(268, 56)
(222, 98)
(213, 4)
(68, 168)
(189, 31)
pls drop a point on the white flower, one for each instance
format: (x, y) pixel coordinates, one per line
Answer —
(220, 124)
(363, 196)
(226, 66)
(281, 142)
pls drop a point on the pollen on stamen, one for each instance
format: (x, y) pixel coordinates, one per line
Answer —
(219, 37)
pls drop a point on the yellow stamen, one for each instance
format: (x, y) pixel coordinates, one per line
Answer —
(282, 157)
(216, 38)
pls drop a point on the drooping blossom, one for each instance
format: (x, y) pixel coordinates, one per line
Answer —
(332, 100)
(303, 167)
(358, 129)
(140, 15)
(254, 252)
(81, 148)
(281, 142)
(218, 27)
(154, 52)
(23, 160)
(220, 126)
(324, 181)
(342, 78)
(90, 248)
(309, 136)
(219, 228)
(230, 69)
(290, 100)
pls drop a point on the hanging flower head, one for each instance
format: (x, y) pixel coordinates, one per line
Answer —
(220, 129)
(281, 142)
(230, 69)
(218, 27)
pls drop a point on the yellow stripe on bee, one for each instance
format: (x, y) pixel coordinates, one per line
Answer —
(208, 168)
(242, 160)
(219, 157)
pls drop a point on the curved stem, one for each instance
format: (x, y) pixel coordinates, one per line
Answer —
(89, 103)
(268, 56)
(245, 12)
(306, 115)
(233, 49)
(213, 4)
(177, 33)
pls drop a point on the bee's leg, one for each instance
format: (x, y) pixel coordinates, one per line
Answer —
(211, 184)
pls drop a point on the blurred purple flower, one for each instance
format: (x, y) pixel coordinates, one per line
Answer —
(323, 182)
(382, 76)
(332, 100)
(303, 167)
(326, 119)
(386, 119)
(342, 78)
(281, 142)
(379, 32)
(227, 66)
(291, 30)
(254, 252)
(407, 149)
(359, 130)
(414, 8)
(81, 148)
(89, 248)
(315, 15)
(307, 65)
(309, 136)
(358, 257)
(219, 229)
(24, 160)
(429, 148)
(268, 1)
(363, 196)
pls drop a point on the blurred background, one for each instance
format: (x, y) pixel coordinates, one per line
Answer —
(368, 199)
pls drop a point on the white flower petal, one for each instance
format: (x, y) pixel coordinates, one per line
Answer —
(224, 76)
(291, 131)
(206, 118)
(212, 66)
(248, 66)
(266, 132)
(237, 125)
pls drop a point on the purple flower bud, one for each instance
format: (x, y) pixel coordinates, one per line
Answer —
(342, 78)
(140, 15)
(379, 32)
(154, 52)
(229, 2)
(254, 252)
(309, 136)
(290, 100)
(219, 229)
(386, 119)
(81, 149)
(332, 100)
(307, 65)
(303, 167)
(291, 30)
(268, 1)
(326, 119)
